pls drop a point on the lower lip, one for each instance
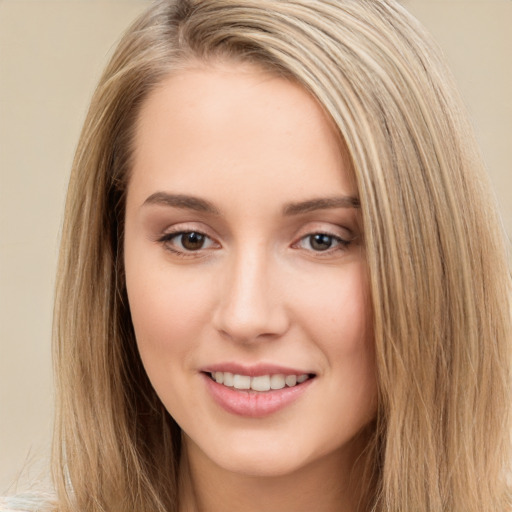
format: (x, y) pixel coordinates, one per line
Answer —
(254, 404)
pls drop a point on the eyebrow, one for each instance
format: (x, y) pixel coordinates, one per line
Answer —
(182, 201)
(321, 204)
(202, 205)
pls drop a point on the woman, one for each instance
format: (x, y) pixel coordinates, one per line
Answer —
(282, 282)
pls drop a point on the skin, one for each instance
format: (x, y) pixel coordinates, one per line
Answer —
(258, 291)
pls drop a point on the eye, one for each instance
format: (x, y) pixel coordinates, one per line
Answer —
(187, 241)
(322, 242)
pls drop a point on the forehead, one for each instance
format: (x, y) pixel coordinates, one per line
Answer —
(240, 128)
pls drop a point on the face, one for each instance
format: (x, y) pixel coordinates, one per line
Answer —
(245, 271)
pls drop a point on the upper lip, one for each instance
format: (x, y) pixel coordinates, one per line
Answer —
(253, 370)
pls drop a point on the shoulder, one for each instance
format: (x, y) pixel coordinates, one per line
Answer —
(27, 503)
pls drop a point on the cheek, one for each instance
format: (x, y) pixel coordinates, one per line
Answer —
(339, 310)
(168, 310)
(168, 315)
(340, 322)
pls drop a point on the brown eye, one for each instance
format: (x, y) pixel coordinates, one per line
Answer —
(192, 241)
(183, 242)
(321, 242)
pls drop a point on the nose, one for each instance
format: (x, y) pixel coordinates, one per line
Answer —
(251, 306)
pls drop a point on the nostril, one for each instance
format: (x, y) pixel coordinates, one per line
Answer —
(248, 309)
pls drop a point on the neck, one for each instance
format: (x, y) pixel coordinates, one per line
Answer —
(330, 484)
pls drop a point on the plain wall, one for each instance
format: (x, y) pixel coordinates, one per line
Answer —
(51, 55)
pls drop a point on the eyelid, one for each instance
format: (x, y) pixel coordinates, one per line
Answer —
(175, 234)
(183, 228)
(187, 227)
(319, 228)
(326, 228)
(341, 243)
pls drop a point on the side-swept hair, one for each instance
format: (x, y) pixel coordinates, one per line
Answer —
(439, 278)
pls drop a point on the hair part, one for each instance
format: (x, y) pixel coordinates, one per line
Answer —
(440, 284)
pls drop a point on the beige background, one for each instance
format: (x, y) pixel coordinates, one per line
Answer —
(51, 54)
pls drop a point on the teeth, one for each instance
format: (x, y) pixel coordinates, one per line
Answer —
(241, 382)
(290, 380)
(277, 381)
(259, 383)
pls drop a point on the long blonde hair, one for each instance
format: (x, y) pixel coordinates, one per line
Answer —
(440, 285)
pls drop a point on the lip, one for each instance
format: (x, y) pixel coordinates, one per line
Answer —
(253, 370)
(254, 404)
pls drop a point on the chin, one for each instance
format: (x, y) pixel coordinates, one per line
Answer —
(269, 458)
(263, 465)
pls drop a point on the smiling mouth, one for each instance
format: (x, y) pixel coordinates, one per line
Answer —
(260, 383)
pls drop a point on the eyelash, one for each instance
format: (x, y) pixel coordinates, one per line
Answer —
(341, 243)
(166, 240)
